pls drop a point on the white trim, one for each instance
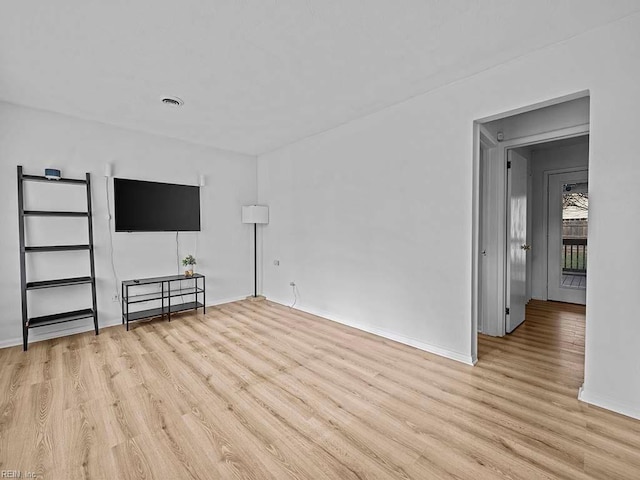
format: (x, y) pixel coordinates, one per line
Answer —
(491, 295)
(39, 337)
(222, 301)
(486, 138)
(479, 143)
(628, 410)
(412, 342)
(435, 349)
(34, 336)
(545, 137)
(483, 142)
(535, 106)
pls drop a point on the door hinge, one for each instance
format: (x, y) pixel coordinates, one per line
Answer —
(509, 164)
(506, 310)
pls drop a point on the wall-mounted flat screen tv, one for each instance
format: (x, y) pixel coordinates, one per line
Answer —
(142, 206)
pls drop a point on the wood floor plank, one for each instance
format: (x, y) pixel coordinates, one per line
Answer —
(256, 390)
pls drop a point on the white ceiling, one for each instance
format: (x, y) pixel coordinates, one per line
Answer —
(259, 74)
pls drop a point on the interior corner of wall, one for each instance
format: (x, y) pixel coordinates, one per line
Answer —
(629, 409)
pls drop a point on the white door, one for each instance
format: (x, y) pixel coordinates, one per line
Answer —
(567, 242)
(492, 236)
(517, 248)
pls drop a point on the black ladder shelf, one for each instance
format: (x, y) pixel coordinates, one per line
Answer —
(33, 322)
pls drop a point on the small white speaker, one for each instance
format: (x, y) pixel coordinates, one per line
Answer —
(108, 170)
(52, 173)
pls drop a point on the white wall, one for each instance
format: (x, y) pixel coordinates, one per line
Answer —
(36, 139)
(373, 220)
(545, 160)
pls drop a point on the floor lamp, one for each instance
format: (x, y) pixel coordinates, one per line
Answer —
(256, 214)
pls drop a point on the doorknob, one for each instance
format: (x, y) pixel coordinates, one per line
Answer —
(526, 247)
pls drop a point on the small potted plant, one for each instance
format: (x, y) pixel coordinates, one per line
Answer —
(188, 262)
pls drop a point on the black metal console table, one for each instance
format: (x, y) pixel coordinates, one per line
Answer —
(171, 287)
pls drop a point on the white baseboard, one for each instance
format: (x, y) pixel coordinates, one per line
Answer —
(35, 336)
(602, 401)
(222, 301)
(435, 349)
(396, 337)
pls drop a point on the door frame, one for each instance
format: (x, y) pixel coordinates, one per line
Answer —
(547, 178)
(499, 189)
(545, 218)
(488, 153)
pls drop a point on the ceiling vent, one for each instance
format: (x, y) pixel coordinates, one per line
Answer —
(173, 101)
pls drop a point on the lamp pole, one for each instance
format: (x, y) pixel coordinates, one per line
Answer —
(255, 259)
(256, 214)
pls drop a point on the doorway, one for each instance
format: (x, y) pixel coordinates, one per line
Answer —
(513, 261)
(568, 218)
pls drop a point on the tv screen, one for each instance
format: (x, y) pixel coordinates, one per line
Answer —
(155, 207)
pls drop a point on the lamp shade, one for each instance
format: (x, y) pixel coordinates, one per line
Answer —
(255, 214)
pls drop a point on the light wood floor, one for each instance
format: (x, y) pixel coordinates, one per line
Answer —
(259, 391)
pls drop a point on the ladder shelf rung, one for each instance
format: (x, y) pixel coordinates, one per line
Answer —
(40, 178)
(60, 318)
(57, 248)
(59, 282)
(51, 213)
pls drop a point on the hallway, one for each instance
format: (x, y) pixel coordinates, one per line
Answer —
(548, 347)
(541, 367)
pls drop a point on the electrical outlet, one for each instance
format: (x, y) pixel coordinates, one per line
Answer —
(276, 263)
(115, 298)
(292, 284)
